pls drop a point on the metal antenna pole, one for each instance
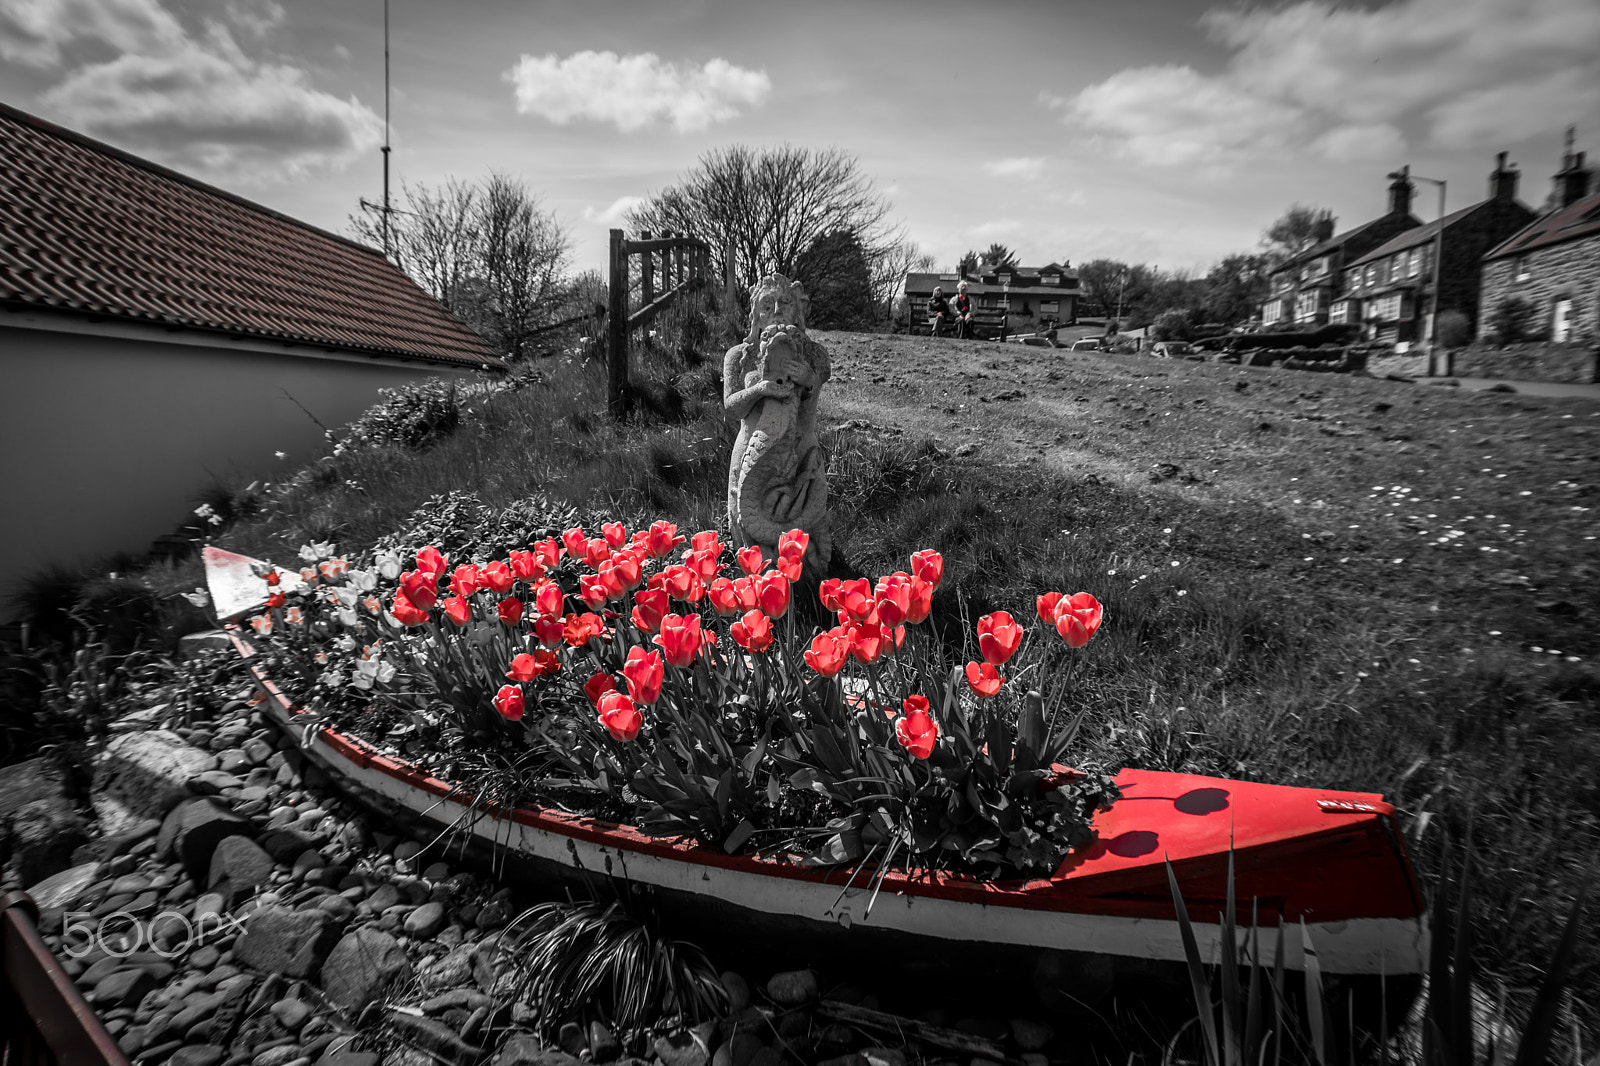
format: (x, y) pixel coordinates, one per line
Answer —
(386, 208)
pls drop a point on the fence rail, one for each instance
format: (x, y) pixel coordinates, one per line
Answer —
(685, 263)
(44, 1019)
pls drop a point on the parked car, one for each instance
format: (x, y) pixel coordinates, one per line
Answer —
(1171, 349)
(1087, 344)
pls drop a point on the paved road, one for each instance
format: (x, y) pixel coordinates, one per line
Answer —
(1527, 388)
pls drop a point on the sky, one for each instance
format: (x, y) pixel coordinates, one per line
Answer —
(1170, 132)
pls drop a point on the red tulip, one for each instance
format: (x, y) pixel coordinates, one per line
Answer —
(749, 592)
(549, 630)
(683, 584)
(548, 552)
(508, 701)
(894, 598)
(724, 597)
(629, 571)
(420, 587)
(917, 732)
(273, 578)
(510, 610)
(650, 605)
(751, 561)
(998, 637)
(595, 552)
(828, 593)
(497, 577)
(549, 598)
(525, 566)
(598, 686)
(855, 598)
(984, 679)
(616, 533)
(429, 559)
(705, 562)
(773, 593)
(592, 589)
(680, 638)
(921, 601)
(406, 612)
(1077, 618)
(457, 610)
(753, 632)
(829, 651)
(464, 582)
(663, 537)
(577, 629)
(928, 565)
(524, 668)
(276, 599)
(866, 643)
(915, 705)
(789, 566)
(620, 716)
(576, 541)
(795, 542)
(706, 540)
(1046, 606)
(644, 673)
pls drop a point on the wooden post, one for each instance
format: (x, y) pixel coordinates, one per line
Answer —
(730, 292)
(617, 331)
(647, 273)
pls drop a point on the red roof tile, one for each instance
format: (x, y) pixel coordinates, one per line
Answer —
(1581, 218)
(89, 229)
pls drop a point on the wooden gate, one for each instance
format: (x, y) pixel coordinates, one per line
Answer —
(685, 264)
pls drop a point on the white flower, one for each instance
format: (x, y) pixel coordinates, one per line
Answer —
(199, 597)
(388, 566)
(281, 455)
(348, 617)
(308, 553)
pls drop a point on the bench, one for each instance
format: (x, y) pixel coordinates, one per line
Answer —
(987, 323)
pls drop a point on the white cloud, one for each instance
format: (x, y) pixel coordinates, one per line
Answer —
(616, 213)
(1352, 81)
(1015, 167)
(35, 32)
(635, 91)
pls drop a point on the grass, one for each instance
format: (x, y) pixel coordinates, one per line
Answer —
(1242, 526)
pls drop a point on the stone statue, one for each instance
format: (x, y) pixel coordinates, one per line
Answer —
(778, 476)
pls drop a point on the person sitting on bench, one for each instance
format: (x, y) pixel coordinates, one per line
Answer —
(963, 309)
(938, 311)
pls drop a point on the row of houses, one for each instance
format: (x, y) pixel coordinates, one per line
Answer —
(1392, 274)
(1033, 298)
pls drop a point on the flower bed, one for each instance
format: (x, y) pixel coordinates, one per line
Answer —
(667, 683)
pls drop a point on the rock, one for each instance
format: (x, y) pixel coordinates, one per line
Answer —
(525, 1050)
(144, 775)
(292, 943)
(436, 1037)
(406, 850)
(213, 782)
(192, 831)
(341, 909)
(349, 1058)
(383, 897)
(281, 1055)
(687, 1047)
(884, 1056)
(124, 986)
(257, 750)
(603, 1043)
(285, 845)
(241, 863)
(308, 860)
(198, 1055)
(738, 990)
(426, 921)
(493, 914)
(1035, 1058)
(572, 1038)
(205, 957)
(44, 834)
(437, 871)
(60, 890)
(738, 1050)
(1031, 1035)
(23, 783)
(233, 761)
(134, 883)
(456, 999)
(361, 966)
(793, 987)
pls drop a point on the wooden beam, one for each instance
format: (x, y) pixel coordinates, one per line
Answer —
(647, 273)
(617, 330)
(661, 244)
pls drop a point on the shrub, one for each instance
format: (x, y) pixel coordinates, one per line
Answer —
(1173, 325)
(1511, 319)
(1453, 329)
(413, 416)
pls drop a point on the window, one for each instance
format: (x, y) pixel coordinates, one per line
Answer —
(1385, 308)
(1340, 312)
(1049, 307)
(1561, 321)
(1051, 279)
(1519, 268)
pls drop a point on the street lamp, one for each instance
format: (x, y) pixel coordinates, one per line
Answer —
(1438, 257)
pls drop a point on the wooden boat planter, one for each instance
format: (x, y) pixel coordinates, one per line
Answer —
(1321, 866)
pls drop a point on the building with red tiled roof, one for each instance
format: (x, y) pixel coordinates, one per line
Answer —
(1552, 266)
(156, 333)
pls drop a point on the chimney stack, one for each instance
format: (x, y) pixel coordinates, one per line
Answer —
(1503, 182)
(1400, 192)
(1571, 182)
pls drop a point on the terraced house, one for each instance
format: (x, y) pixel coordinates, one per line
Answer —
(1551, 267)
(1032, 297)
(1390, 290)
(1303, 289)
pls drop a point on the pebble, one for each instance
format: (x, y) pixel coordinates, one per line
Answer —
(198, 1055)
(129, 884)
(406, 850)
(793, 987)
(426, 921)
(277, 1056)
(383, 897)
(437, 872)
(233, 761)
(1031, 1035)
(258, 751)
(338, 906)
(738, 990)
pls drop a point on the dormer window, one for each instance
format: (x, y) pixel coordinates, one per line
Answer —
(1051, 279)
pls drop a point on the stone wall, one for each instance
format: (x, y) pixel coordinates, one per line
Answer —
(1570, 270)
(1567, 363)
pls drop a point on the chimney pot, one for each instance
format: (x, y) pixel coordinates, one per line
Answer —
(1400, 192)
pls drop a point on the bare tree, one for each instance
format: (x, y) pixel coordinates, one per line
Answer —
(485, 251)
(890, 269)
(769, 205)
